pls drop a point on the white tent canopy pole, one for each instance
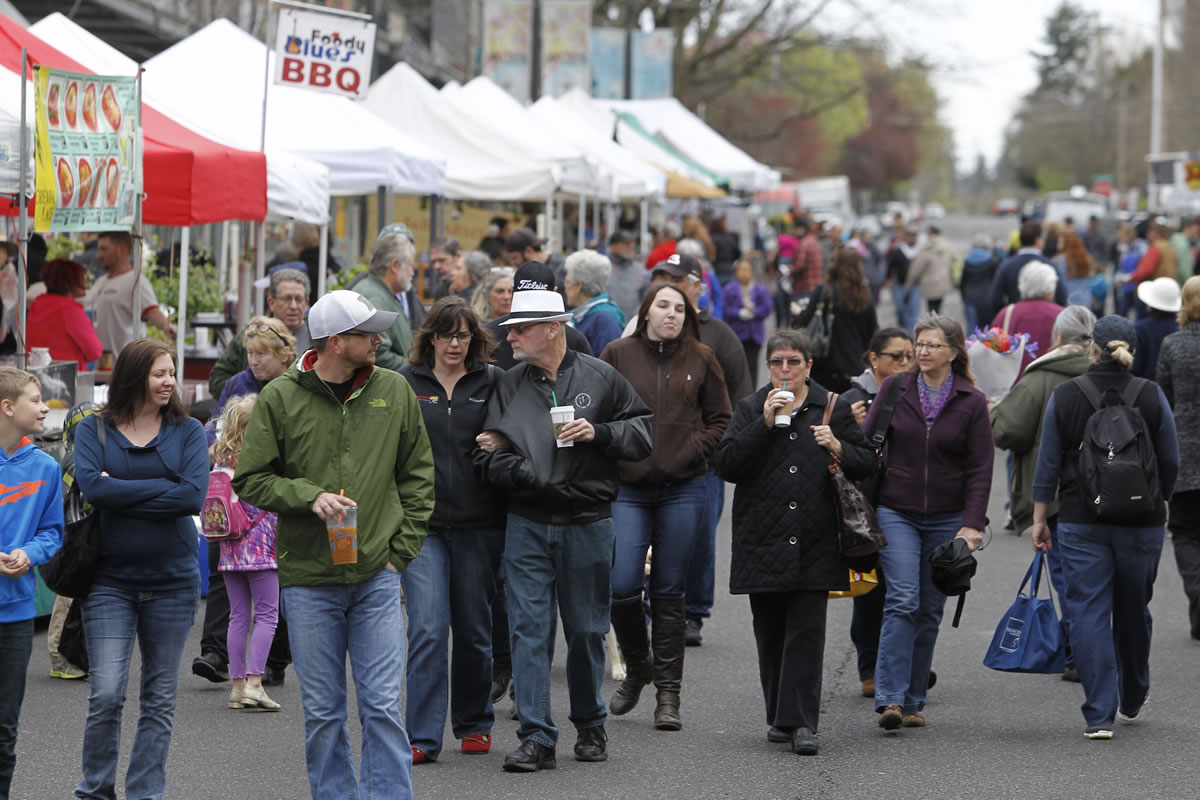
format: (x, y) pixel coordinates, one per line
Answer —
(580, 240)
(322, 259)
(185, 263)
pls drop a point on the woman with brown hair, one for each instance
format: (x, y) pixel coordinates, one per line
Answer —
(57, 320)
(142, 462)
(661, 499)
(844, 300)
(1079, 268)
(451, 584)
(693, 228)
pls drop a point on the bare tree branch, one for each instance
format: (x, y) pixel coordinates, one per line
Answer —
(808, 113)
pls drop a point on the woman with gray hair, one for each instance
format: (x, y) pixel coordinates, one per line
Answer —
(1017, 427)
(596, 316)
(492, 298)
(468, 272)
(1035, 313)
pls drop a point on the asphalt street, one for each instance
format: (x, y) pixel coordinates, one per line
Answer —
(990, 735)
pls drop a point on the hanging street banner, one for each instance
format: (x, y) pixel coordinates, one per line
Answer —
(652, 58)
(608, 63)
(88, 151)
(507, 44)
(565, 40)
(324, 52)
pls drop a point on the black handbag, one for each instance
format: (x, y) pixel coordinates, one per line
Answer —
(73, 643)
(877, 437)
(72, 570)
(859, 532)
(820, 329)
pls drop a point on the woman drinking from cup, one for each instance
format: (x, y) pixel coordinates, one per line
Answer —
(451, 584)
(785, 530)
(661, 499)
(934, 488)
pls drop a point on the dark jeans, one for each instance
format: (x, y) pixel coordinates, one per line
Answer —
(1058, 577)
(1110, 580)
(934, 304)
(1185, 534)
(666, 518)
(16, 643)
(752, 349)
(866, 621)
(449, 587)
(214, 636)
(789, 629)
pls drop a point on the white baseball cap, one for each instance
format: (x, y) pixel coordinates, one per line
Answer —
(343, 310)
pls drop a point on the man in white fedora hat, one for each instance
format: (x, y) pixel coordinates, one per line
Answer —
(1163, 300)
(557, 425)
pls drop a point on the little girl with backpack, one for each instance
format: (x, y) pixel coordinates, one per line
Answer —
(247, 537)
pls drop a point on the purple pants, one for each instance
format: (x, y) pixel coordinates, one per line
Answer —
(262, 589)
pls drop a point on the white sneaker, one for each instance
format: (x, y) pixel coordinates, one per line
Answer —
(1135, 715)
(1099, 732)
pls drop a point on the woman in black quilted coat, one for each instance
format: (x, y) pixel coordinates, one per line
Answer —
(785, 540)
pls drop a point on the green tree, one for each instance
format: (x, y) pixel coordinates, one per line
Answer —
(1062, 68)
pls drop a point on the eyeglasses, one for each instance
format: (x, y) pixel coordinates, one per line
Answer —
(520, 329)
(291, 299)
(457, 336)
(794, 363)
(930, 346)
(901, 357)
(260, 326)
(367, 334)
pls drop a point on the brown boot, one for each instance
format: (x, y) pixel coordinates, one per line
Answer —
(668, 631)
(629, 624)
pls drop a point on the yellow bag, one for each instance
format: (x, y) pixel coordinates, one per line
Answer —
(860, 584)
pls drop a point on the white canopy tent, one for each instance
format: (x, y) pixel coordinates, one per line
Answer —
(474, 169)
(213, 82)
(297, 187)
(670, 120)
(514, 130)
(10, 123)
(601, 120)
(629, 176)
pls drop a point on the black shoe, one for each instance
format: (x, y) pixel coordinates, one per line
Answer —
(209, 668)
(273, 676)
(530, 757)
(591, 744)
(804, 742)
(501, 677)
(776, 736)
(932, 680)
(691, 636)
(513, 714)
(1071, 674)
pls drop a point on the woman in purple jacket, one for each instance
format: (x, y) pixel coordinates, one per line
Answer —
(747, 304)
(934, 487)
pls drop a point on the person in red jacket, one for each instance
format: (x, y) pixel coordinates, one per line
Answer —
(57, 321)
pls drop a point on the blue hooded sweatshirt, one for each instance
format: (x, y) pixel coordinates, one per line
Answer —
(31, 519)
(148, 540)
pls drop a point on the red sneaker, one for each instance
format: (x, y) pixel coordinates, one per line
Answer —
(476, 743)
(419, 757)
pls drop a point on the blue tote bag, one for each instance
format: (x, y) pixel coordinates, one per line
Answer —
(1029, 637)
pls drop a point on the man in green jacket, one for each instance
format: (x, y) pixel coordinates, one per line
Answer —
(335, 431)
(386, 286)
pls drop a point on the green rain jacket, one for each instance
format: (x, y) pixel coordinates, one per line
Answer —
(301, 442)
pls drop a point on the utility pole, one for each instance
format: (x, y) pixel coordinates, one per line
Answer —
(629, 15)
(1156, 97)
(535, 56)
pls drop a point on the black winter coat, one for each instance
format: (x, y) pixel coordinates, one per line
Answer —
(784, 515)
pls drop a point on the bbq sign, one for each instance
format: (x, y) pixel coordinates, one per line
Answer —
(324, 52)
(87, 151)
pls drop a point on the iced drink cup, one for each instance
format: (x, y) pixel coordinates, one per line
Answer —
(559, 416)
(343, 536)
(783, 416)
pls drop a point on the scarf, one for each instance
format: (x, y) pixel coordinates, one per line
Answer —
(931, 404)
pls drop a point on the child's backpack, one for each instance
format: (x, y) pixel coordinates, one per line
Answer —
(222, 517)
(1118, 469)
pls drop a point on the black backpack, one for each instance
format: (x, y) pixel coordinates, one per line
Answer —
(1118, 469)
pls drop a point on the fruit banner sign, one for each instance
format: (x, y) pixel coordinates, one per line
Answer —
(88, 151)
(324, 52)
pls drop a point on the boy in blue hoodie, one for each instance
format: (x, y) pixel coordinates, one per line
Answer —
(31, 530)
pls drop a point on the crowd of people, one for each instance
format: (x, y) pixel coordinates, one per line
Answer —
(507, 457)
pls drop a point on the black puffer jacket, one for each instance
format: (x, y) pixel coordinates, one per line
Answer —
(463, 500)
(784, 514)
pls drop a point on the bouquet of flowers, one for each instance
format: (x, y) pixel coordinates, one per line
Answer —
(996, 360)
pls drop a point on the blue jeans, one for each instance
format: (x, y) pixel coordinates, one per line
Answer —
(912, 609)
(908, 306)
(1054, 559)
(365, 620)
(665, 517)
(572, 563)
(450, 585)
(112, 618)
(1110, 578)
(701, 577)
(977, 315)
(16, 643)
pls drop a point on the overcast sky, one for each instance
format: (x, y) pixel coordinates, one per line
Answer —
(985, 44)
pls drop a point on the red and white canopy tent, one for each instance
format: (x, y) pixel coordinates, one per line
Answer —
(188, 178)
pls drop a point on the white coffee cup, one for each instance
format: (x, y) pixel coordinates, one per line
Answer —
(559, 416)
(783, 416)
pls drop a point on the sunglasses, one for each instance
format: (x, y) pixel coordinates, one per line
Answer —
(520, 329)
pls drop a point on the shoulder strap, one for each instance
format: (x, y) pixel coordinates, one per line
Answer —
(1090, 391)
(884, 420)
(1008, 317)
(1130, 395)
(491, 370)
(830, 402)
